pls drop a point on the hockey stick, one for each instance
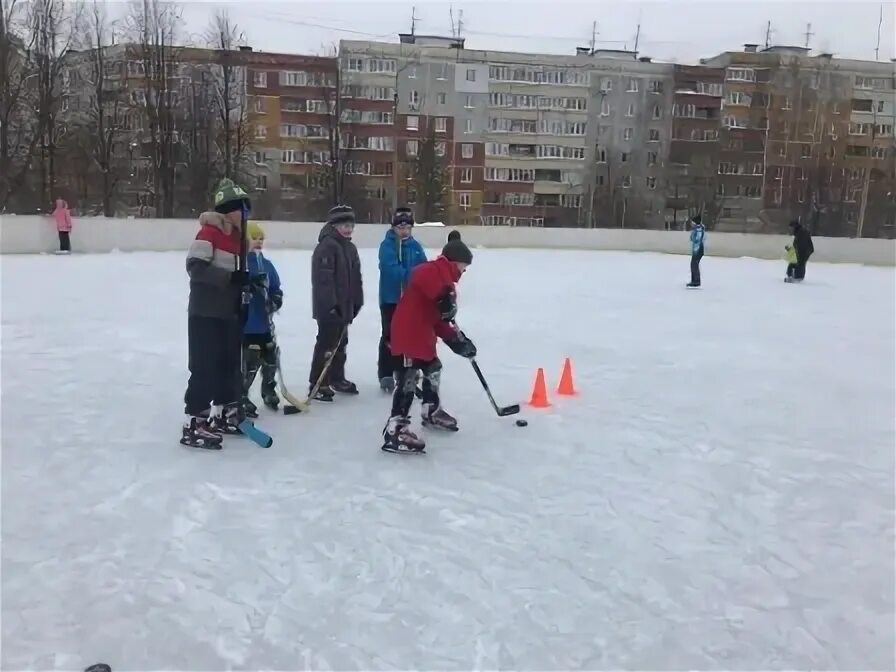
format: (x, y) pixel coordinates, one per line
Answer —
(502, 411)
(293, 406)
(305, 406)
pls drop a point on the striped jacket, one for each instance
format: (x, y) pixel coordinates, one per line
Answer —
(211, 261)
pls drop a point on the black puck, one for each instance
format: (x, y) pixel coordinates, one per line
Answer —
(98, 667)
(290, 410)
(522, 423)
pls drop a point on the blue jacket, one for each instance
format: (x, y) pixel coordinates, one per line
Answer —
(697, 235)
(258, 311)
(394, 271)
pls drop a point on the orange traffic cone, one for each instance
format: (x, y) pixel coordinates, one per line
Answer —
(566, 387)
(539, 392)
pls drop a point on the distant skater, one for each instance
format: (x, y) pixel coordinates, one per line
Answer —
(698, 234)
(798, 252)
(63, 217)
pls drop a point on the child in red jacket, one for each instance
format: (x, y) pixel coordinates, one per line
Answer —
(425, 311)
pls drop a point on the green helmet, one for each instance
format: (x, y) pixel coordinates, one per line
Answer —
(229, 191)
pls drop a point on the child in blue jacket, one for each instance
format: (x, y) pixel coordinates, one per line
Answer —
(259, 344)
(399, 254)
(698, 233)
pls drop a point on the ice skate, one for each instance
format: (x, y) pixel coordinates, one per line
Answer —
(226, 423)
(344, 387)
(324, 393)
(250, 410)
(271, 400)
(398, 438)
(438, 418)
(196, 434)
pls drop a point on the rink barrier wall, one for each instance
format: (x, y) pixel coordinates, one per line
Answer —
(31, 234)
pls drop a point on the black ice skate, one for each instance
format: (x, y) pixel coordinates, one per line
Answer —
(438, 418)
(227, 423)
(344, 387)
(387, 384)
(197, 434)
(250, 410)
(398, 438)
(324, 393)
(271, 400)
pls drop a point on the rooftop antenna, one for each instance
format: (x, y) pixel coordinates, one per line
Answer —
(638, 32)
(768, 35)
(413, 19)
(460, 23)
(451, 14)
(879, 23)
(809, 34)
(594, 36)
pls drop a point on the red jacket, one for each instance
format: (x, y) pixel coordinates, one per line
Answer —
(417, 319)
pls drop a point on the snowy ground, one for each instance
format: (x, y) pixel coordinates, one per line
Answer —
(720, 495)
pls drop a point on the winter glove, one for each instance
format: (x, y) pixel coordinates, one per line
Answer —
(260, 281)
(239, 278)
(448, 307)
(335, 315)
(276, 299)
(462, 346)
(357, 310)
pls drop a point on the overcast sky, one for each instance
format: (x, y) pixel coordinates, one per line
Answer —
(677, 30)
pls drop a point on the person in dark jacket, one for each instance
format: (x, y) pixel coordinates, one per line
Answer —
(337, 295)
(399, 254)
(259, 345)
(425, 312)
(803, 249)
(214, 329)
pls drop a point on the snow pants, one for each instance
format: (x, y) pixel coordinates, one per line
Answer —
(328, 344)
(214, 360)
(406, 384)
(695, 266)
(387, 364)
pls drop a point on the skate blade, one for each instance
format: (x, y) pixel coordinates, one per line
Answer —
(441, 428)
(399, 450)
(205, 445)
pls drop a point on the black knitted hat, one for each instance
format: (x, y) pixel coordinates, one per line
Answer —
(457, 250)
(403, 215)
(340, 214)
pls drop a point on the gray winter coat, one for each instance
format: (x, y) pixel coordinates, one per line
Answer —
(337, 291)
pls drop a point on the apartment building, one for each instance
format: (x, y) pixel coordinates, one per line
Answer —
(693, 181)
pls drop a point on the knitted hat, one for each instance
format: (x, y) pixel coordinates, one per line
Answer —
(229, 196)
(340, 214)
(456, 250)
(255, 232)
(402, 216)
(453, 235)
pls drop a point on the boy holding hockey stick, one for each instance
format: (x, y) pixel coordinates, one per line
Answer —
(426, 311)
(259, 344)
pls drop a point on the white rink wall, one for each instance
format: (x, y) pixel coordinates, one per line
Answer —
(32, 234)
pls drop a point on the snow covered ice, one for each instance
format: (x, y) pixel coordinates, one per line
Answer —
(719, 496)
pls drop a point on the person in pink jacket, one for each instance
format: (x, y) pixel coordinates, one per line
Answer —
(63, 225)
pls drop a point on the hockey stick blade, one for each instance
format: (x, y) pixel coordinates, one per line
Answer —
(502, 411)
(248, 428)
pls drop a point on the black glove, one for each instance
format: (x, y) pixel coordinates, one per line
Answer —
(357, 310)
(462, 346)
(448, 307)
(260, 281)
(276, 299)
(239, 278)
(335, 315)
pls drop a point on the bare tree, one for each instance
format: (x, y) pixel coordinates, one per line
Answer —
(429, 177)
(154, 27)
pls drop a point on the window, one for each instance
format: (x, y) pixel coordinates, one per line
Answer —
(442, 97)
(628, 134)
(879, 152)
(757, 169)
(292, 131)
(626, 181)
(261, 132)
(414, 98)
(782, 150)
(651, 183)
(464, 199)
(657, 112)
(601, 155)
(654, 135)
(606, 84)
(441, 124)
(412, 147)
(412, 72)
(440, 149)
(742, 74)
(468, 126)
(261, 182)
(260, 158)
(466, 151)
(787, 104)
(466, 175)
(469, 103)
(630, 112)
(880, 105)
(442, 72)
(471, 75)
(497, 149)
(624, 157)
(605, 108)
(806, 151)
(570, 200)
(354, 64)
(652, 158)
(289, 78)
(632, 85)
(260, 79)
(259, 105)
(736, 98)
(656, 86)
(413, 123)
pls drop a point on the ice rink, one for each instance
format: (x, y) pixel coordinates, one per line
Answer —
(720, 495)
